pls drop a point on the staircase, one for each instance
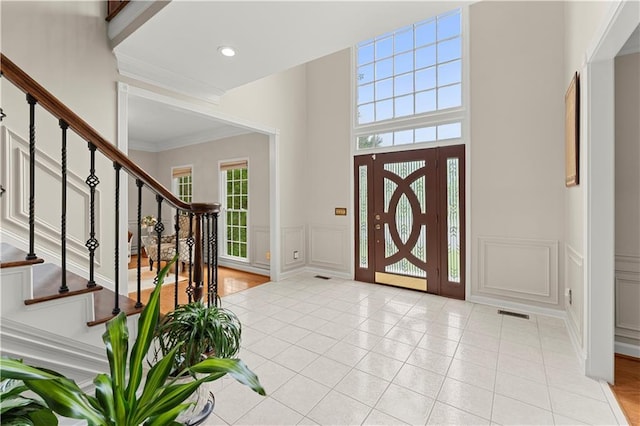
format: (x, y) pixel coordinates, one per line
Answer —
(51, 309)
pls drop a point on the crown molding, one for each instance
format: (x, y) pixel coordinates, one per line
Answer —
(161, 77)
(194, 139)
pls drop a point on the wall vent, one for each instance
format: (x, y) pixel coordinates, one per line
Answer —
(322, 277)
(513, 314)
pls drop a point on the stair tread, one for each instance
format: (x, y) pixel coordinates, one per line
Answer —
(47, 278)
(11, 257)
(104, 302)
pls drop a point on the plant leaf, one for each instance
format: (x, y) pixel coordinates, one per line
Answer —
(235, 367)
(104, 395)
(172, 396)
(146, 328)
(156, 378)
(65, 401)
(14, 369)
(43, 416)
(168, 417)
(116, 340)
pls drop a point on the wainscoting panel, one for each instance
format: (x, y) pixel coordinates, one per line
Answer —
(519, 268)
(574, 280)
(260, 246)
(292, 240)
(627, 296)
(15, 211)
(329, 247)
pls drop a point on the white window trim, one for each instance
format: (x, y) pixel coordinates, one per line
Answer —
(222, 230)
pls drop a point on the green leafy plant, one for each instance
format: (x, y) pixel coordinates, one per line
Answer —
(118, 399)
(198, 330)
(18, 409)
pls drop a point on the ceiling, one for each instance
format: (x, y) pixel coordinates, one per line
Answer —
(177, 48)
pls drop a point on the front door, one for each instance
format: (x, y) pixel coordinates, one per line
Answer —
(410, 222)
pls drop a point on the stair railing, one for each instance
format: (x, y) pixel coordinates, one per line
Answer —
(200, 240)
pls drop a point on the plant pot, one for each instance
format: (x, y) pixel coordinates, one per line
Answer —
(203, 403)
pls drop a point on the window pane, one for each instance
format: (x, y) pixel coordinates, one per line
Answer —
(404, 40)
(365, 94)
(450, 131)
(449, 97)
(425, 101)
(403, 84)
(365, 54)
(426, 79)
(365, 114)
(365, 74)
(384, 109)
(453, 220)
(449, 26)
(426, 33)
(384, 69)
(426, 56)
(404, 106)
(384, 47)
(449, 50)
(426, 134)
(384, 90)
(243, 250)
(403, 137)
(403, 63)
(449, 73)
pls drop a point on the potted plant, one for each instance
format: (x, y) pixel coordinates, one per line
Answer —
(118, 399)
(198, 331)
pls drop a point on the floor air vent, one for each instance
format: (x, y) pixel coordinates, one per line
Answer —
(513, 314)
(322, 277)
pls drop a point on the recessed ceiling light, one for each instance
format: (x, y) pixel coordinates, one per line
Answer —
(227, 51)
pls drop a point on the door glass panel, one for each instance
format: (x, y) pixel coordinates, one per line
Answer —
(362, 202)
(402, 212)
(453, 220)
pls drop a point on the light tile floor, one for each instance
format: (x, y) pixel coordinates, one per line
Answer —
(337, 352)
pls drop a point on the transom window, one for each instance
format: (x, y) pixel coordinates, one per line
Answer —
(413, 71)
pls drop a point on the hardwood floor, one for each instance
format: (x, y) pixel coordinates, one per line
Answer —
(627, 387)
(229, 281)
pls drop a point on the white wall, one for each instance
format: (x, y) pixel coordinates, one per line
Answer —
(279, 102)
(517, 152)
(63, 46)
(204, 159)
(328, 162)
(627, 166)
(581, 21)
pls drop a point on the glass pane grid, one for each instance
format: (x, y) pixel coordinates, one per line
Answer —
(185, 188)
(237, 187)
(435, 43)
(411, 136)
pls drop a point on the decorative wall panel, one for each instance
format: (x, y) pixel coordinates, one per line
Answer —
(519, 269)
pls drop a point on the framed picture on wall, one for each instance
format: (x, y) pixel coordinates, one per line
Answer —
(572, 132)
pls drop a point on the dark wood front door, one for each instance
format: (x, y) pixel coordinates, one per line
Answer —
(410, 222)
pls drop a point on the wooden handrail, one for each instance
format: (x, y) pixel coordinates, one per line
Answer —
(49, 102)
(114, 7)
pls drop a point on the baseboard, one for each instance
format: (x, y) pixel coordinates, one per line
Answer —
(520, 307)
(621, 419)
(627, 349)
(242, 267)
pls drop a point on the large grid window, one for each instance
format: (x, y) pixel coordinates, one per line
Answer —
(235, 188)
(183, 183)
(412, 71)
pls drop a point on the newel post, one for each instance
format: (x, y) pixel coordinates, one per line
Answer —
(196, 287)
